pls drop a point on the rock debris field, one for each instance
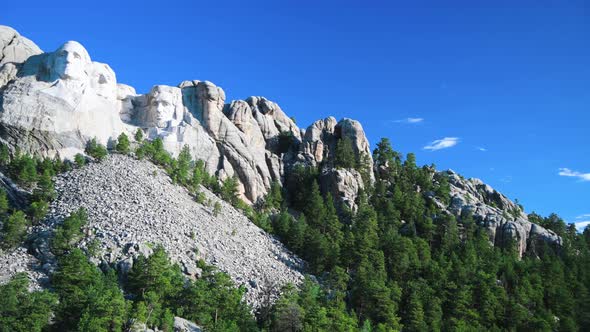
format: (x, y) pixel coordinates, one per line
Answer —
(133, 205)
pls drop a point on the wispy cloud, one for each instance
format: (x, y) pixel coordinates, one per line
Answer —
(444, 143)
(583, 216)
(568, 172)
(481, 149)
(506, 179)
(409, 120)
(580, 225)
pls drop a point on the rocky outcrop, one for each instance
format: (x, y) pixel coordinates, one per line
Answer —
(504, 220)
(15, 48)
(183, 325)
(318, 147)
(344, 185)
(52, 103)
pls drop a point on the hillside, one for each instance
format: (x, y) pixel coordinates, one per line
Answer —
(141, 212)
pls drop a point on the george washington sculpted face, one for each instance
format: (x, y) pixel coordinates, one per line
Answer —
(69, 61)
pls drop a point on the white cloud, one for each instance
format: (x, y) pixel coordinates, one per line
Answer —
(444, 143)
(482, 149)
(582, 216)
(409, 120)
(581, 225)
(568, 172)
(506, 179)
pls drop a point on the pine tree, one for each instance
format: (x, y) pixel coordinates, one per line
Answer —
(45, 189)
(155, 274)
(26, 170)
(3, 203)
(96, 150)
(74, 277)
(416, 320)
(80, 159)
(344, 155)
(69, 232)
(14, 230)
(229, 190)
(315, 211)
(181, 169)
(4, 155)
(139, 136)
(122, 144)
(21, 310)
(38, 210)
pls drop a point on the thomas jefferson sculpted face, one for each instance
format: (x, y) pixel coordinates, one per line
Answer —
(70, 61)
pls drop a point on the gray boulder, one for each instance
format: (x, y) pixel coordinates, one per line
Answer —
(183, 325)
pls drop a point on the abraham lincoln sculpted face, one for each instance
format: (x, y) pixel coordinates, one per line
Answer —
(165, 107)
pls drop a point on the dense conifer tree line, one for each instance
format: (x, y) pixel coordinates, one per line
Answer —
(396, 263)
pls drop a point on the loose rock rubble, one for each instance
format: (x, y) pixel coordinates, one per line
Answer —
(133, 205)
(17, 261)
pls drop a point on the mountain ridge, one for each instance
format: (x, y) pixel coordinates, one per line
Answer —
(252, 139)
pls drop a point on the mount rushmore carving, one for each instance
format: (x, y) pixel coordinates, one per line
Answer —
(52, 103)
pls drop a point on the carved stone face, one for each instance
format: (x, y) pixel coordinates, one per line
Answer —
(70, 61)
(104, 81)
(165, 106)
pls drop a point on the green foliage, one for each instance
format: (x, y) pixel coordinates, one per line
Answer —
(96, 150)
(310, 309)
(398, 262)
(161, 292)
(38, 210)
(88, 299)
(274, 198)
(14, 230)
(138, 136)
(199, 176)
(79, 159)
(344, 155)
(215, 303)
(69, 232)
(4, 155)
(3, 203)
(45, 190)
(155, 151)
(180, 168)
(229, 190)
(21, 310)
(122, 144)
(23, 168)
(155, 274)
(216, 209)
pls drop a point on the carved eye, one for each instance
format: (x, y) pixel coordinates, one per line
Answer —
(165, 104)
(63, 53)
(77, 56)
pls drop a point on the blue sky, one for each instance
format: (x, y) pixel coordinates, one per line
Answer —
(498, 91)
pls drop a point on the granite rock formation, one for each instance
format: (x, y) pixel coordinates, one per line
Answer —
(505, 221)
(52, 104)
